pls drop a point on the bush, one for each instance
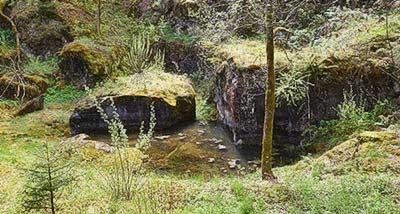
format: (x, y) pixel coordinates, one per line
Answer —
(140, 56)
(49, 174)
(145, 138)
(352, 118)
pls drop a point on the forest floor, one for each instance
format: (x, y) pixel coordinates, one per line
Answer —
(359, 175)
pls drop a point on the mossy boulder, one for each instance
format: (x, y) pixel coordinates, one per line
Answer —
(13, 86)
(372, 152)
(172, 96)
(83, 62)
(42, 31)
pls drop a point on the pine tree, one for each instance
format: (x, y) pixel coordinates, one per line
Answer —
(49, 173)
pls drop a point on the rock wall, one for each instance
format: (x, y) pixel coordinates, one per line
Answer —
(240, 100)
(42, 30)
(134, 110)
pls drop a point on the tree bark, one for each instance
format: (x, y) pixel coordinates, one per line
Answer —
(266, 156)
(98, 24)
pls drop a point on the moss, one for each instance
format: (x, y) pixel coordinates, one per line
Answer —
(154, 84)
(353, 48)
(32, 86)
(77, 18)
(96, 56)
(372, 152)
(3, 4)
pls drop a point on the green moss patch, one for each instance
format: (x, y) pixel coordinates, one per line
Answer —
(367, 152)
(154, 84)
(96, 56)
(26, 86)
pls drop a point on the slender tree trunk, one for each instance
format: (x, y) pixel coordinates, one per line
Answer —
(266, 156)
(98, 24)
(16, 33)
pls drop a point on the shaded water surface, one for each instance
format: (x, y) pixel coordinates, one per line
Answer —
(202, 148)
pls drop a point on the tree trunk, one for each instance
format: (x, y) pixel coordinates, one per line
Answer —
(266, 156)
(98, 24)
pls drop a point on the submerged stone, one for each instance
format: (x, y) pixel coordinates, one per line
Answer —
(171, 95)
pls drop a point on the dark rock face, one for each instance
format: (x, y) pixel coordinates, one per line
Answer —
(240, 101)
(181, 58)
(133, 110)
(42, 31)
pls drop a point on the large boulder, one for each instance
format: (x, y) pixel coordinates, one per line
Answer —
(83, 62)
(172, 96)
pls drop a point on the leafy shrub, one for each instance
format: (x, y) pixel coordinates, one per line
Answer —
(145, 138)
(204, 110)
(170, 35)
(292, 87)
(352, 118)
(62, 95)
(140, 57)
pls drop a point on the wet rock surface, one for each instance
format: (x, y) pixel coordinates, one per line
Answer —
(240, 101)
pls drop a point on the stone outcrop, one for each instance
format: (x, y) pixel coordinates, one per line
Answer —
(181, 58)
(83, 63)
(172, 96)
(240, 100)
(42, 30)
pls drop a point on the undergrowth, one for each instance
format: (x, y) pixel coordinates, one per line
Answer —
(6, 43)
(62, 95)
(352, 118)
